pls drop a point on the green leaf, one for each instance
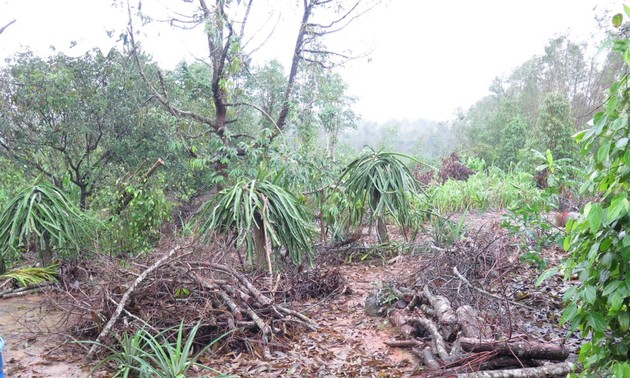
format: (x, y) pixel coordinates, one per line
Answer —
(624, 320)
(611, 287)
(617, 20)
(627, 10)
(602, 152)
(590, 294)
(615, 301)
(594, 217)
(569, 313)
(546, 275)
(618, 208)
(597, 321)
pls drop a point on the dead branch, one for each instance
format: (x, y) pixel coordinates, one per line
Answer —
(470, 323)
(550, 370)
(429, 359)
(482, 291)
(447, 318)
(519, 348)
(436, 337)
(2, 29)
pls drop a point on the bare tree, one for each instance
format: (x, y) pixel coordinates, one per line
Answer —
(225, 28)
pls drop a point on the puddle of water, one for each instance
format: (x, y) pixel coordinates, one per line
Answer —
(33, 338)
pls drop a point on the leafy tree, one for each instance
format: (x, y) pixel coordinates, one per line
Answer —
(74, 117)
(554, 128)
(226, 31)
(40, 217)
(599, 241)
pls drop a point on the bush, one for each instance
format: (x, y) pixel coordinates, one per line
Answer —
(136, 227)
(599, 241)
(40, 217)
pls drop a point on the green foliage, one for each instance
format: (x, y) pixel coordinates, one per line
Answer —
(527, 221)
(539, 105)
(259, 211)
(444, 231)
(381, 184)
(11, 179)
(77, 117)
(599, 241)
(26, 277)
(146, 355)
(554, 128)
(136, 228)
(39, 216)
(492, 189)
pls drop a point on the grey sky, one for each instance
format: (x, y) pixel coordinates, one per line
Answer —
(429, 57)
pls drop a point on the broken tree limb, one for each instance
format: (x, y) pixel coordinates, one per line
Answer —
(262, 299)
(399, 320)
(428, 359)
(504, 362)
(471, 324)
(436, 337)
(482, 291)
(125, 299)
(447, 319)
(404, 343)
(520, 348)
(550, 370)
(128, 196)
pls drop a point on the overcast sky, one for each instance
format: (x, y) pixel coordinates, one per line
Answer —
(429, 57)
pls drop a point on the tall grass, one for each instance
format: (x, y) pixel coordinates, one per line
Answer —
(493, 189)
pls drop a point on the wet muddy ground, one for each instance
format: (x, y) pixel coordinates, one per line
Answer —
(34, 343)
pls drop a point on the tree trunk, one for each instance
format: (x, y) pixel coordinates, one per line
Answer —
(381, 228)
(260, 243)
(47, 254)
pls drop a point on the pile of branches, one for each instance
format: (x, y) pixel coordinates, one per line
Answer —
(107, 299)
(455, 325)
(316, 283)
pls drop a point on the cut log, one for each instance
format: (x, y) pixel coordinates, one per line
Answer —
(436, 337)
(399, 320)
(471, 324)
(447, 319)
(520, 348)
(550, 370)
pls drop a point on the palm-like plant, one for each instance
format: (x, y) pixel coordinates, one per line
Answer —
(40, 216)
(381, 183)
(144, 354)
(264, 215)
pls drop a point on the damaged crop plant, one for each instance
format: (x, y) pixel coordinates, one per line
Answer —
(216, 218)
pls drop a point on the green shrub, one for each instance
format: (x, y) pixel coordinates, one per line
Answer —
(136, 227)
(262, 214)
(598, 243)
(40, 217)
